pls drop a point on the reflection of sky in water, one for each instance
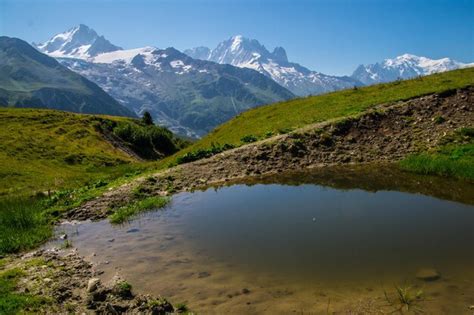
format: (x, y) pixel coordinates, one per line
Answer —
(308, 232)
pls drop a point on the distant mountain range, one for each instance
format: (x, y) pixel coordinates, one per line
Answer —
(404, 67)
(189, 96)
(193, 92)
(29, 78)
(249, 53)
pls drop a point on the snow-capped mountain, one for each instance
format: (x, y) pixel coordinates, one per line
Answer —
(78, 42)
(249, 53)
(187, 95)
(404, 67)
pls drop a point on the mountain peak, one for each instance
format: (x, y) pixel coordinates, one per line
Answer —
(80, 42)
(279, 54)
(237, 41)
(243, 52)
(404, 67)
(237, 37)
(407, 56)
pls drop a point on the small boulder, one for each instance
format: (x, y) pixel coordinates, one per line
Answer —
(428, 274)
(93, 284)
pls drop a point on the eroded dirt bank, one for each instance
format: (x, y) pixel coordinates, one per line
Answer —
(386, 133)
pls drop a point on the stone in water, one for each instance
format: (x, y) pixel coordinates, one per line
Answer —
(428, 274)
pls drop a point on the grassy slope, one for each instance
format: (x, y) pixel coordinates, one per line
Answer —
(66, 153)
(45, 149)
(284, 116)
(453, 159)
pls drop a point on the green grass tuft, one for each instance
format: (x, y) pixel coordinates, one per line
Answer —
(23, 224)
(248, 139)
(181, 308)
(442, 164)
(454, 159)
(12, 302)
(124, 289)
(124, 213)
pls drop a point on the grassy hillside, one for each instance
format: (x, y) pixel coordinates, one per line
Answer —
(282, 117)
(47, 149)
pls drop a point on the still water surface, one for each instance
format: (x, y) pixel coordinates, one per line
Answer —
(283, 248)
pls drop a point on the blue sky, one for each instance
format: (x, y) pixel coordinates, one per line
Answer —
(328, 36)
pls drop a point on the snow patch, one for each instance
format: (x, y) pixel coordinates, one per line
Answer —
(124, 55)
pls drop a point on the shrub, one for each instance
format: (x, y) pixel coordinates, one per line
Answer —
(268, 134)
(146, 119)
(283, 131)
(439, 119)
(466, 132)
(148, 141)
(203, 153)
(248, 139)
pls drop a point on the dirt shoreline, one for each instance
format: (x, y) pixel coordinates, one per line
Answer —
(68, 283)
(384, 134)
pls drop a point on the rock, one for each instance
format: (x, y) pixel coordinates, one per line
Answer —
(428, 274)
(111, 309)
(245, 291)
(134, 230)
(92, 284)
(169, 237)
(112, 239)
(63, 237)
(203, 274)
(98, 296)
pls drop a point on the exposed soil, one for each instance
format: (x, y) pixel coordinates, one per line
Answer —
(386, 133)
(71, 286)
